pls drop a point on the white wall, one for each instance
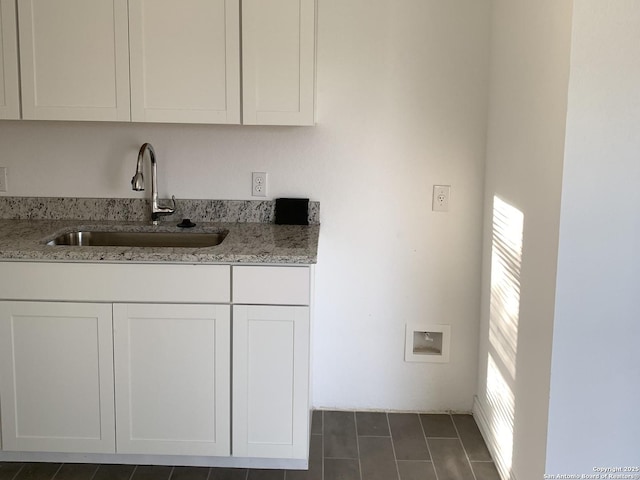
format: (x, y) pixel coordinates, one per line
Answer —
(401, 94)
(525, 144)
(594, 419)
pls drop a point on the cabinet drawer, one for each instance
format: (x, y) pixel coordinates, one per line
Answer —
(271, 285)
(88, 282)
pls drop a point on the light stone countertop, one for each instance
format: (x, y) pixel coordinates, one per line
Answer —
(259, 243)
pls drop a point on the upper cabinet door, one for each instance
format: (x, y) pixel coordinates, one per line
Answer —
(278, 62)
(185, 61)
(74, 59)
(9, 90)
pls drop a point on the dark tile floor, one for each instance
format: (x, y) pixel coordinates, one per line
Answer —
(344, 446)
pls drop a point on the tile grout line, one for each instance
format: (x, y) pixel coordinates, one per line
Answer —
(355, 424)
(133, 472)
(439, 438)
(322, 448)
(95, 472)
(341, 458)
(59, 468)
(433, 463)
(18, 472)
(464, 449)
(393, 446)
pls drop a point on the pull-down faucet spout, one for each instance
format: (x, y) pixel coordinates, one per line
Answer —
(137, 184)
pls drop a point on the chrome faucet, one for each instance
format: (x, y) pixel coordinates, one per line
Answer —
(137, 183)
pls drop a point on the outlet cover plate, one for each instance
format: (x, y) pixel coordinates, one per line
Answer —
(259, 184)
(441, 198)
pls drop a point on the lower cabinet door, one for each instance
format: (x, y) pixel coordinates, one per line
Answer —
(271, 381)
(172, 377)
(56, 377)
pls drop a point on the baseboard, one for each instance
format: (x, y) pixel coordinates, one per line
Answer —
(483, 424)
(177, 460)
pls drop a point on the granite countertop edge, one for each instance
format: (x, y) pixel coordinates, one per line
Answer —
(245, 243)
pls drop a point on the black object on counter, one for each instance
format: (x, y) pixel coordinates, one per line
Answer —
(292, 211)
(186, 223)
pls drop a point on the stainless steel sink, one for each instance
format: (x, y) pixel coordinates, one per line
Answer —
(139, 239)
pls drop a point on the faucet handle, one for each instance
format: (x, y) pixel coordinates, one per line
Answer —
(168, 210)
(157, 210)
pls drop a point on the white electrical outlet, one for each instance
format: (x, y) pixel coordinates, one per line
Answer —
(3, 179)
(441, 198)
(259, 184)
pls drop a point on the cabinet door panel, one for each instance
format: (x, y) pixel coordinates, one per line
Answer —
(74, 58)
(278, 62)
(270, 381)
(185, 61)
(172, 365)
(56, 377)
(9, 90)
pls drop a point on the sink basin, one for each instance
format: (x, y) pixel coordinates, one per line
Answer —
(139, 239)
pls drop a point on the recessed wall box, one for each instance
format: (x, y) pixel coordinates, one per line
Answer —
(427, 343)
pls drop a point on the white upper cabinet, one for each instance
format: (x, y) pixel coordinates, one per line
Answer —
(74, 59)
(188, 61)
(185, 61)
(278, 62)
(9, 89)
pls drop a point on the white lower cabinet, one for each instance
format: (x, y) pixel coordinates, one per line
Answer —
(271, 317)
(56, 377)
(270, 381)
(219, 380)
(172, 369)
(172, 378)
